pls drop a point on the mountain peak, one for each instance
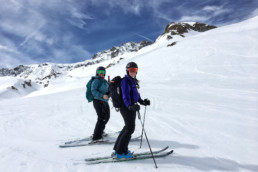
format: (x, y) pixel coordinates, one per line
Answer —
(180, 28)
(124, 48)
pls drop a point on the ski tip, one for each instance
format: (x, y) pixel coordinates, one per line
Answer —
(171, 151)
(165, 148)
(63, 146)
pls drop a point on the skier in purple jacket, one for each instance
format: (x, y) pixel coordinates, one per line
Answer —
(129, 87)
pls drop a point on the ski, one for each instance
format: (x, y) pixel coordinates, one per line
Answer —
(86, 143)
(139, 157)
(89, 138)
(90, 142)
(136, 154)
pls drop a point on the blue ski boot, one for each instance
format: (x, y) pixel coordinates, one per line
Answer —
(129, 155)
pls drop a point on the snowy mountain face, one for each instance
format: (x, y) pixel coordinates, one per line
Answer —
(25, 71)
(203, 93)
(40, 76)
(126, 47)
(181, 28)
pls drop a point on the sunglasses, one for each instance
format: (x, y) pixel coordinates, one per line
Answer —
(101, 72)
(133, 70)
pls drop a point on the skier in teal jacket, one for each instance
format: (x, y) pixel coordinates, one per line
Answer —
(98, 93)
(99, 90)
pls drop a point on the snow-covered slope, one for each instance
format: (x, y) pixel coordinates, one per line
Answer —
(204, 96)
(41, 76)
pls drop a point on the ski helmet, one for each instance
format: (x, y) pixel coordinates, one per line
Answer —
(131, 65)
(100, 68)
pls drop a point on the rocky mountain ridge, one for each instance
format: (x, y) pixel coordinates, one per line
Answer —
(56, 69)
(124, 48)
(181, 28)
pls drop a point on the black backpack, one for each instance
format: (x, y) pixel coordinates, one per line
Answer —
(115, 91)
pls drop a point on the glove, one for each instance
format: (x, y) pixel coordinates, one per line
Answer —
(134, 107)
(141, 102)
(145, 102)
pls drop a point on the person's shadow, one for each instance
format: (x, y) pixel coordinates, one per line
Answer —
(200, 163)
(163, 143)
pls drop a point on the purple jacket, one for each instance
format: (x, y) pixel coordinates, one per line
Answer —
(130, 93)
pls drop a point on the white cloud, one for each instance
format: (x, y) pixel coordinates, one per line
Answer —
(215, 10)
(211, 8)
(20, 21)
(5, 48)
(157, 11)
(78, 18)
(9, 56)
(26, 17)
(77, 14)
(132, 6)
(35, 23)
(205, 14)
(194, 19)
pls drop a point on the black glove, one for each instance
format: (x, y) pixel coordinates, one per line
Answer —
(134, 107)
(141, 102)
(145, 102)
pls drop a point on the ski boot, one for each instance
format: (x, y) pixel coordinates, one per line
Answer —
(129, 155)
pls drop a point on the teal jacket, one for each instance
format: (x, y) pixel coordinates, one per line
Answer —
(99, 87)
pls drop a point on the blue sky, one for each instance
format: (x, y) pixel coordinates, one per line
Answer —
(67, 31)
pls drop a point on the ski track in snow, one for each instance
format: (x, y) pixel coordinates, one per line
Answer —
(204, 96)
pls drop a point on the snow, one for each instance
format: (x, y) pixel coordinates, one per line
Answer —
(190, 23)
(204, 96)
(18, 90)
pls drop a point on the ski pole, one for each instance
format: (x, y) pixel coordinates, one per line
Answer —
(139, 116)
(143, 126)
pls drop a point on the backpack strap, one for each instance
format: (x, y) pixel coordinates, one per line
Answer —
(130, 83)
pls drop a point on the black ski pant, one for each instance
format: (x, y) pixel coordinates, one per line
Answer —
(122, 142)
(103, 112)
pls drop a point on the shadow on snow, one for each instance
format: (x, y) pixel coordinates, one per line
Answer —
(200, 163)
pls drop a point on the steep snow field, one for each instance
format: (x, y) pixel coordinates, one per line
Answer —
(204, 105)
